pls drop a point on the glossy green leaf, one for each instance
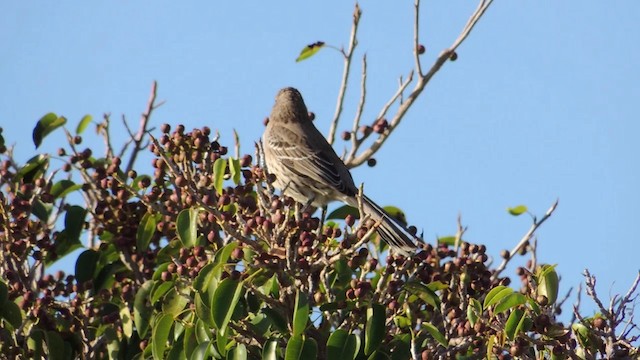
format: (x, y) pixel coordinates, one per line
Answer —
(35, 343)
(160, 335)
(127, 321)
(310, 50)
(224, 302)
(548, 282)
(146, 229)
(342, 212)
(375, 329)
(41, 210)
(45, 126)
(294, 348)
(270, 350)
(309, 349)
(437, 285)
(222, 338)
(142, 310)
(342, 345)
(436, 334)
(74, 222)
(174, 302)
(202, 352)
(423, 292)
(513, 323)
(160, 288)
(10, 311)
(203, 334)
(189, 341)
(222, 255)
(402, 347)
(187, 227)
(301, 313)
(235, 169)
(82, 125)
(64, 187)
(474, 311)
(203, 312)
(496, 294)
(490, 343)
(517, 210)
(510, 301)
(219, 168)
(238, 353)
(86, 265)
(55, 345)
(33, 169)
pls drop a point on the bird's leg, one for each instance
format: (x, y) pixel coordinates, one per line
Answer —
(322, 217)
(307, 205)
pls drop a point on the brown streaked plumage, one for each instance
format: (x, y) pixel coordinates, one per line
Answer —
(309, 170)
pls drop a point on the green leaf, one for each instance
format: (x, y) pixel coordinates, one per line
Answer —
(10, 311)
(496, 294)
(236, 171)
(160, 335)
(548, 282)
(437, 285)
(82, 125)
(159, 290)
(402, 344)
(474, 310)
(174, 302)
(342, 345)
(379, 355)
(224, 302)
(270, 350)
(142, 310)
(448, 240)
(342, 212)
(33, 169)
(510, 301)
(86, 265)
(490, 343)
(64, 187)
(187, 227)
(45, 126)
(219, 168)
(74, 223)
(375, 329)
(517, 210)
(146, 229)
(41, 210)
(203, 311)
(310, 50)
(436, 334)
(423, 292)
(301, 313)
(238, 353)
(309, 349)
(513, 323)
(55, 345)
(294, 348)
(127, 321)
(4, 293)
(34, 343)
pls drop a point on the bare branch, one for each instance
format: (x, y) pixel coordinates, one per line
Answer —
(142, 129)
(353, 42)
(536, 224)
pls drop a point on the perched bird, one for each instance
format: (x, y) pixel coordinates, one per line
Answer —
(307, 168)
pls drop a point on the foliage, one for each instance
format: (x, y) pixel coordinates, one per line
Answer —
(201, 259)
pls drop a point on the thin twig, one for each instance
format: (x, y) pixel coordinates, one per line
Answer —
(142, 129)
(353, 42)
(536, 224)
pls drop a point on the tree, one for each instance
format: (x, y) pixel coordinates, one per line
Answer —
(202, 259)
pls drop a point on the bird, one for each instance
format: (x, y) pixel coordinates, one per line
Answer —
(307, 169)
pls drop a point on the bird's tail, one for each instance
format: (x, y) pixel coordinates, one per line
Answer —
(390, 230)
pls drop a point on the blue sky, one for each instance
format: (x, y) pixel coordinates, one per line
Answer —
(541, 104)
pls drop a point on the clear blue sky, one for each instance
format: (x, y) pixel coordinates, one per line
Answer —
(543, 102)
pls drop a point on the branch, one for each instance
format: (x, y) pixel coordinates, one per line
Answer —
(536, 224)
(142, 129)
(353, 42)
(423, 80)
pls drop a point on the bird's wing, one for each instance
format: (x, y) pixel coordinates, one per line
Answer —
(319, 163)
